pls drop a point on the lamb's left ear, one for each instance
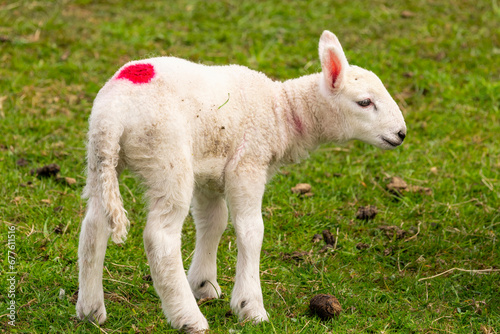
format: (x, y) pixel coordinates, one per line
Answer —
(333, 60)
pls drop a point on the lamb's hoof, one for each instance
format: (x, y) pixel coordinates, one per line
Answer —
(193, 330)
(197, 327)
(206, 290)
(94, 313)
(250, 310)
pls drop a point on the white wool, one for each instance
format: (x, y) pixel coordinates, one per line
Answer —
(211, 137)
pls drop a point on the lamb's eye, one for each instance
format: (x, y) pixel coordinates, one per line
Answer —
(364, 103)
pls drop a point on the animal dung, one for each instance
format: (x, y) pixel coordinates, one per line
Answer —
(366, 212)
(297, 255)
(397, 186)
(302, 189)
(328, 237)
(391, 231)
(317, 238)
(325, 306)
(362, 245)
(46, 171)
(22, 162)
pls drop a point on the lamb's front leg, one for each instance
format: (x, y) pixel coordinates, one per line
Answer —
(245, 202)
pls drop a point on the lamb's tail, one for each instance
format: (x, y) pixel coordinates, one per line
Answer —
(102, 176)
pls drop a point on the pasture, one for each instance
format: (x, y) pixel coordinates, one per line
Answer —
(427, 262)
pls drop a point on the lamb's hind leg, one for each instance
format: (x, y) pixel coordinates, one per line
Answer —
(210, 215)
(162, 241)
(91, 251)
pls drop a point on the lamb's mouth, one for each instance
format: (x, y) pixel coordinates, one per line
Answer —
(391, 143)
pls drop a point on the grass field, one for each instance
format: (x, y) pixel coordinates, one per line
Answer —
(439, 59)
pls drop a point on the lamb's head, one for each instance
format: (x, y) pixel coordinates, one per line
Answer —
(367, 111)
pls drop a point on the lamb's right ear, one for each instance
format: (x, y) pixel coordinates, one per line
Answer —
(333, 60)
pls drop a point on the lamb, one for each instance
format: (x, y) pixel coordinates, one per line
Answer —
(209, 138)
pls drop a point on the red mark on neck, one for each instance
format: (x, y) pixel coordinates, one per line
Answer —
(137, 73)
(297, 124)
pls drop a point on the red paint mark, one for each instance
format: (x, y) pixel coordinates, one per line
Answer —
(335, 67)
(297, 123)
(137, 73)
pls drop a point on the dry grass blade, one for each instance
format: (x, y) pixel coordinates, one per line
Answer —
(472, 271)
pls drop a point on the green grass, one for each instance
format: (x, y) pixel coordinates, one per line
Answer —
(440, 61)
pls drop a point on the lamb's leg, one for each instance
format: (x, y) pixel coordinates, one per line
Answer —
(245, 202)
(210, 216)
(162, 241)
(91, 251)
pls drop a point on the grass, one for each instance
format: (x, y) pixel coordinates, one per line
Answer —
(439, 59)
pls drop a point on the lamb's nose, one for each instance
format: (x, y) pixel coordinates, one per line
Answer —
(401, 135)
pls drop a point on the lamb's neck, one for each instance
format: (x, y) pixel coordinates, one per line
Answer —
(300, 98)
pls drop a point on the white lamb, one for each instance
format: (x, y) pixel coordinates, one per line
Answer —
(211, 137)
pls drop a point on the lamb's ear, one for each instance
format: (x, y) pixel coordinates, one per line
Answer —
(333, 60)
